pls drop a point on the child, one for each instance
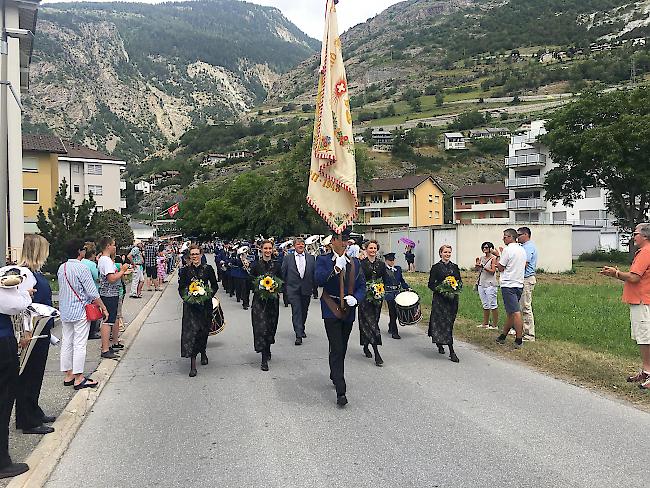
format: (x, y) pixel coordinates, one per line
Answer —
(161, 262)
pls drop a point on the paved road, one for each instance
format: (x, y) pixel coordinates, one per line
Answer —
(420, 421)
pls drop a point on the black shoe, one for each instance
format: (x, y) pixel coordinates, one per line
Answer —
(395, 335)
(453, 358)
(41, 429)
(441, 349)
(367, 352)
(341, 401)
(192, 373)
(286, 305)
(117, 346)
(110, 354)
(48, 419)
(238, 300)
(13, 469)
(378, 360)
(204, 360)
(245, 307)
(298, 341)
(304, 336)
(501, 339)
(264, 366)
(94, 336)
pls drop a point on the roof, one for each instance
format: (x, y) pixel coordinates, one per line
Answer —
(75, 150)
(388, 184)
(481, 189)
(43, 143)
(449, 135)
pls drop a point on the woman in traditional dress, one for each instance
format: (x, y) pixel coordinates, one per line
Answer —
(443, 308)
(265, 311)
(369, 311)
(197, 318)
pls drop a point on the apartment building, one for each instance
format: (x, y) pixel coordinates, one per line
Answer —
(454, 141)
(411, 201)
(481, 204)
(47, 161)
(528, 162)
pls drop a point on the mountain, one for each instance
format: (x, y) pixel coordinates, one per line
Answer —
(130, 78)
(450, 42)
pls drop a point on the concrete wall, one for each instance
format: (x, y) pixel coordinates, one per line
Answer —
(554, 243)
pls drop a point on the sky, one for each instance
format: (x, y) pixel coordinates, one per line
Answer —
(308, 14)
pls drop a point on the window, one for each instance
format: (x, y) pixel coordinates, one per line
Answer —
(437, 215)
(592, 192)
(30, 195)
(94, 169)
(375, 213)
(375, 199)
(75, 188)
(430, 197)
(589, 215)
(437, 199)
(30, 165)
(75, 168)
(559, 216)
(96, 190)
(99, 208)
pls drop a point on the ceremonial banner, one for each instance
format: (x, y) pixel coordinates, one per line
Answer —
(333, 175)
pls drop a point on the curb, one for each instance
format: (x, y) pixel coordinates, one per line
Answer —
(45, 457)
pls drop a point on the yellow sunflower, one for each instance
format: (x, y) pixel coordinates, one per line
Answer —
(194, 287)
(267, 282)
(452, 282)
(380, 288)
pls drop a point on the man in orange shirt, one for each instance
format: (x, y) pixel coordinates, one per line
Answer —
(636, 293)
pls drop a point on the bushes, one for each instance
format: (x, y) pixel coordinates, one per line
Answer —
(613, 256)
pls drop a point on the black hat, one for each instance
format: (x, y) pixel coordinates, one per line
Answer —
(345, 235)
(390, 256)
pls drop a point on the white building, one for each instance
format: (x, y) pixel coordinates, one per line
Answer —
(87, 170)
(18, 20)
(528, 162)
(454, 141)
(213, 159)
(144, 186)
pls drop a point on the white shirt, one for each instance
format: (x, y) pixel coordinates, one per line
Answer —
(301, 264)
(105, 265)
(513, 258)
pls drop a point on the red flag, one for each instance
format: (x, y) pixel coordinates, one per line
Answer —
(173, 210)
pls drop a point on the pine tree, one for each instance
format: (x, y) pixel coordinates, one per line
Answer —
(64, 221)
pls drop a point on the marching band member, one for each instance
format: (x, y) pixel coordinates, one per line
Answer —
(240, 268)
(394, 283)
(265, 310)
(338, 305)
(369, 311)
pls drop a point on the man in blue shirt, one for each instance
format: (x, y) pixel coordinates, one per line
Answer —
(338, 305)
(526, 301)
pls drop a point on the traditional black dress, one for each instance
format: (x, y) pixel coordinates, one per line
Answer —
(369, 312)
(196, 317)
(443, 308)
(264, 312)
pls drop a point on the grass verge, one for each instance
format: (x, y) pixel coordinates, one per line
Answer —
(583, 331)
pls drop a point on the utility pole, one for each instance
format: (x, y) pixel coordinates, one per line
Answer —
(4, 142)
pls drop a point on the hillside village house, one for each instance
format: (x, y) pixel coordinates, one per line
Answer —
(489, 133)
(47, 161)
(454, 141)
(19, 22)
(411, 201)
(382, 139)
(214, 159)
(481, 204)
(528, 162)
(144, 186)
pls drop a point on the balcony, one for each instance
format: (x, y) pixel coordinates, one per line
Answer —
(481, 207)
(389, 220)
(525, 182)
(369, 206)
(527, 204)
(122, 202)
(122, 185)
(534, 160)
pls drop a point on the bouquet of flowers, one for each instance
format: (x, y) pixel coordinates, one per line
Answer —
(375, 291)
(267, 286)
(198, 293)
(450, 287)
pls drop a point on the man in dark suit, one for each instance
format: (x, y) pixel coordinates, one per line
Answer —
(338, 305)
(298, 274)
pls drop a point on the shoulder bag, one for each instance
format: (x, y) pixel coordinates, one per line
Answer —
(93, 312)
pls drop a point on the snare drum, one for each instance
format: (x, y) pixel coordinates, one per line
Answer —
(408, 309)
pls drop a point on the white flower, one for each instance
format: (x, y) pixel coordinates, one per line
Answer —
(201, 291)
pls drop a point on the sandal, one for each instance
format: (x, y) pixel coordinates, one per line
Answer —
(85, 384)
(68, 383)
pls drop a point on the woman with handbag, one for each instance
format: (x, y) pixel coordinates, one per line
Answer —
(79, 304)
(486, 285)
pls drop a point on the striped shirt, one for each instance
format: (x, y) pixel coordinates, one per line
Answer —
(72, 308)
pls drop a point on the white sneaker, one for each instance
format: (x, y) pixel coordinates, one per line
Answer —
(482, 326)
(529, 338)
(492, 327)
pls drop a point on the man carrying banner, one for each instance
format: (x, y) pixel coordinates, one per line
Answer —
(344, 285)
(333, 194)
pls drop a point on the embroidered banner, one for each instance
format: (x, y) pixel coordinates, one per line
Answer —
(333, 175)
